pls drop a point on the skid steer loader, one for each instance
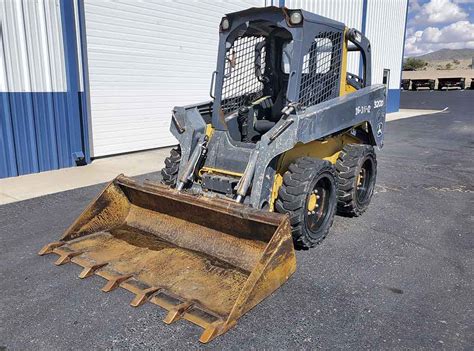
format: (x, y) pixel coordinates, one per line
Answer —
(286, 142)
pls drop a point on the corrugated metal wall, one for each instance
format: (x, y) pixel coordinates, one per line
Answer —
(33, 46)
(385, 28)
(144, 59)
(39, 130)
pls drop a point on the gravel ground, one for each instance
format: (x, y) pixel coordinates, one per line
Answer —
(399, 277)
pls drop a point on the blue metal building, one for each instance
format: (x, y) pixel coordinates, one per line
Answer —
(43, 121)
(88, 78)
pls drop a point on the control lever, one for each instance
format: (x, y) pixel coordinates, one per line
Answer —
(243, 118)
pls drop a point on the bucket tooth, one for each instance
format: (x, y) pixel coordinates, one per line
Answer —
(143, 296)
(65, 257)
(212, 331)
(177, 312)
(47, 249)
(114, 283)
(88, 271)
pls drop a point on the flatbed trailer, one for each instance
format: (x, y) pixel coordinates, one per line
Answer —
(423, 83)
(455, 82)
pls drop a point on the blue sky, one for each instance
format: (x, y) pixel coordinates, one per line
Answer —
(439, 24)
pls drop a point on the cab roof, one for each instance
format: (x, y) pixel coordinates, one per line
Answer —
(261, 12)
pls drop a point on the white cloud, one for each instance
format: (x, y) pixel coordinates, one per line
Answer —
(413, 6)
(458, 35)
(454, 33)
(437, 12)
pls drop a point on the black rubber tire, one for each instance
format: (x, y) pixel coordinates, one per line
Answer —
(440, 87)
(432, 86)
(299, 183)
(169, 173)
(414, 87)
(351, 201)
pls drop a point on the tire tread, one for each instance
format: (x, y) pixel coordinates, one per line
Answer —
(293, 193)
(347, 168)
(169, 173)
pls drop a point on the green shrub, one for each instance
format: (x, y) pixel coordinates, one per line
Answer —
(414, 64)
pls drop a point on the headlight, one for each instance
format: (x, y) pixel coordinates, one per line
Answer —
(296, 17)
(225, 24)
(354, 35)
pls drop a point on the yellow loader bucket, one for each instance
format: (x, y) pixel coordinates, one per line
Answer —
(203, 259)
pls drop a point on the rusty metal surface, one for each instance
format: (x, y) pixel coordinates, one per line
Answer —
(205, 260)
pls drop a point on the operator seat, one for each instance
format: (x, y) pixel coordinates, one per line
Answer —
(264, 125)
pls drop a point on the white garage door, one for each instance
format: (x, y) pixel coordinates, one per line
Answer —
(145, 58)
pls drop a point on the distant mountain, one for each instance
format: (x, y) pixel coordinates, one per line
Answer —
(448, 54)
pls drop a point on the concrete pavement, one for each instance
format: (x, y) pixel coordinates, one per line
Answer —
(99, 171)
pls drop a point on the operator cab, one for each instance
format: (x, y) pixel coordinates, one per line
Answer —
(266, 62)
(255, 80)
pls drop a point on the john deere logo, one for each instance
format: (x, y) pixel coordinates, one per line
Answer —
(379, 129)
